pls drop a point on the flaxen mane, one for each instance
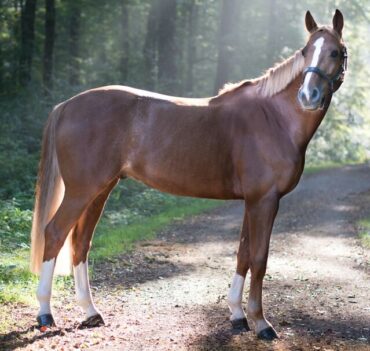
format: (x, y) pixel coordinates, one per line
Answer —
(275, 79)
(278, 77)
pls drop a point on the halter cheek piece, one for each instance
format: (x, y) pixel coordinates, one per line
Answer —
(339, 73)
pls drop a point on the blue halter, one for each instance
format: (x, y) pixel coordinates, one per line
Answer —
(342, 68)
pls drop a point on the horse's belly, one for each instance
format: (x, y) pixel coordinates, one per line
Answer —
(187, 185)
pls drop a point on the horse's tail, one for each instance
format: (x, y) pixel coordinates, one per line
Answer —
(49, 195)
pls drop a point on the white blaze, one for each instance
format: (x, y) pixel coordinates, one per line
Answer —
(83, 293)
(315, 59)
(235, 296)
(45, 284)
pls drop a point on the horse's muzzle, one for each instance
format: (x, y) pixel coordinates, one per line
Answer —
(310, 99)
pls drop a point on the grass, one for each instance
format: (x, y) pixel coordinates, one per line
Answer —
(113, 237)
(113, 240)
(364, 232)
(312, 169)
(17, 283)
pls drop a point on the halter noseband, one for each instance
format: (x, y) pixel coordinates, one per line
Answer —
(342, 68)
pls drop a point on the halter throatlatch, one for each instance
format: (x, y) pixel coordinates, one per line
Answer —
(338, 74)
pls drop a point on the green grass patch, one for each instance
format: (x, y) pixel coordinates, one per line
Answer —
(139, 215)
(364, 232)
(17, 283)
(324, 166)
(312, 169)
(113, 240)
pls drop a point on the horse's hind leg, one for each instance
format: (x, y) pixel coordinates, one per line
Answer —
(81, 242)
(56, 232)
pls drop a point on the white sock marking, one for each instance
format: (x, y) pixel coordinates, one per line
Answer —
(45, 285)
(83, 293)
(315, 59)
(261, 323)
(235, 296)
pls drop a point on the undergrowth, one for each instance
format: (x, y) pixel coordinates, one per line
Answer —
(134, 212)
(364, 232)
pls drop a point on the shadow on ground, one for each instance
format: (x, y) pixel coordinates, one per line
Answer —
(132, 269)
(297, 331)
(28, 336)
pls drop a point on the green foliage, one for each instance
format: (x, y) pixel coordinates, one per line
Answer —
(14, 226)
(113, 238)
(134, 213)
(364, 232)
(265, 31)
(14, 243)
(345, 132)
(109, 51)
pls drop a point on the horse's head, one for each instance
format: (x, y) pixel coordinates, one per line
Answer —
(325, 62)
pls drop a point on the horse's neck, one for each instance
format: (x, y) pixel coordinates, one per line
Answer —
(302, 125)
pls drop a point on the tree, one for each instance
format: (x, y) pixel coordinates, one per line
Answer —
(192, 19)
(48, 45)
(125, 41)
(160, 47)
(226, 45)
(150, 46)
(27, 41)
(74, 41)
(167, 46)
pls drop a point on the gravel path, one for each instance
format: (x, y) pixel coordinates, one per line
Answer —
(170, 293)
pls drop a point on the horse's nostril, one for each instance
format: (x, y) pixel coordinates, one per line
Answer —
(315, 94)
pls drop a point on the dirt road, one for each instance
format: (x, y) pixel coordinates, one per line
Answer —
(170, 294)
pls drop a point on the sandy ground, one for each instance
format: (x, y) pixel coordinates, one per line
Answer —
(170, 293)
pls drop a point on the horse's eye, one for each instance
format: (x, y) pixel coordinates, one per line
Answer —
(334, 53)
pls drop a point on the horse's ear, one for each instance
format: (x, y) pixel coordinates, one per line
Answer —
(310, 22)
(338, 22)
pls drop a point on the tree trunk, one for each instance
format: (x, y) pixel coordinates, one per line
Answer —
(150, 46)
(226, 45)
(167, 46)
(74, 42)
(27, 41)
(125, 41)
(48, 45)
(191, 46)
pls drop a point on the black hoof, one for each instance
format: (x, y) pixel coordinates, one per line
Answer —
(267, 334)
(240, 325)
(92, 322)
(45, 320)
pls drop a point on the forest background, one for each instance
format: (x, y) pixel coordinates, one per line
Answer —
(53, 49)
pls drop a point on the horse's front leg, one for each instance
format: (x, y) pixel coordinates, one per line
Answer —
(234, 299)
(261, 217)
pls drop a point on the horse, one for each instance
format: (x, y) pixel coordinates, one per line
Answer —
(248, 142)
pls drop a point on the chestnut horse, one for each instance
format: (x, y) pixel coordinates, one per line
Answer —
(248, 142)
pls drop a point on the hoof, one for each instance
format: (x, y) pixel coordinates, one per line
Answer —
(45, 320)
(267, 334)
(240, 325)
(92, 322)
